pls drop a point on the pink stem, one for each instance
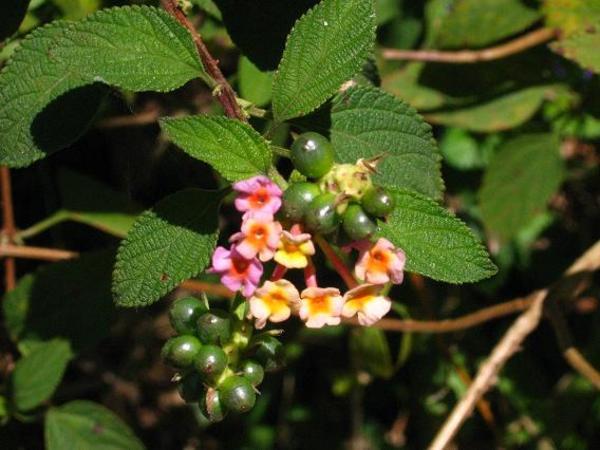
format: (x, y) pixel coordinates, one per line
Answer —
(336, 261)
(278, 272)
(310, 274)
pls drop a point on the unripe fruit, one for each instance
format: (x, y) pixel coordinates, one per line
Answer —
(211, 406)
(297, 198)
(214, 327)
(312, 154)
(356, 223)
(378, 202)
(191, 388)
(183, 314)
(180, 351)
(210, 362)
(237, 394)
(321, 215)
(253, 372)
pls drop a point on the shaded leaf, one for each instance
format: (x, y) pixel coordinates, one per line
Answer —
(37, 375)
(477, 23)
(255, 85)
(135, 48)
(327, 46)
(368, 122)
(233, 148)
(370, 351)
(13, 13)
(69, 299)
(274, 19)
(498, 114)
(519, 181)
(571, 16)
(166, 245)
(404, 84)
(436, 243)
(83, 424)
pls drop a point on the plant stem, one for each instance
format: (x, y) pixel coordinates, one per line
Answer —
(8, 227)
(222, 89)
(336, 261)
(43, 225)
(517, 45)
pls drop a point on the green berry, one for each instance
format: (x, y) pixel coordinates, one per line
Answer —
(183, 314)
(211, 406)
(297, 198)
(312, 154)
(210, 362)
(191, 388)
(237, 394)
(253, 372)
(180, 351)
(356, 223)
(268, 352)
(214, 327)
(378, 202)
(321, 215)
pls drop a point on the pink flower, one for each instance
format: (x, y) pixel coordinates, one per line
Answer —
(259, 236)
(236, 271)
(273, 301)
(381, 263)
(320, 306)
(366, 301)
(258, 194)
(293, 250)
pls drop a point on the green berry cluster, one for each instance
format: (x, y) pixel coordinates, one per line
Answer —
(220, 365)
(337, 194)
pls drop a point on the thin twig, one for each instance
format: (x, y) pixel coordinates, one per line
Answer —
(336, 261)
(223, 90)
(41, 253)
(487, 374)
(8, 227)
(509, 344)
(209, 288)
(517, 45)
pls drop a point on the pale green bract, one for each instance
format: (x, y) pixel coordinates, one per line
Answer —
(368, 122)
(519, 182)
(326, 47)
(233, 148)
(137, 48)
(436, 243)
(166, 245)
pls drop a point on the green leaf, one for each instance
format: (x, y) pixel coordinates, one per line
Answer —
(209, 7)
(37, 375)
(436, 243)
(326, 47)
(368, 122)
(82, 424)
(233, 148)
(77, 9)
(13, 13)
(477, 23)
(134, 48)
(70, 299)
(498, 114)
(404, 83)
(371, 352)
(582, 47)
(255, 85)
(166, 245)
(519, 181)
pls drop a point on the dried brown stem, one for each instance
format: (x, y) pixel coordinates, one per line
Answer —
(41, 253)
(511, 343)
(223, 90)
(517, 45)
(8, 227)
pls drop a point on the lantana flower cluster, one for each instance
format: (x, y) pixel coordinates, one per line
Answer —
(262, 239)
